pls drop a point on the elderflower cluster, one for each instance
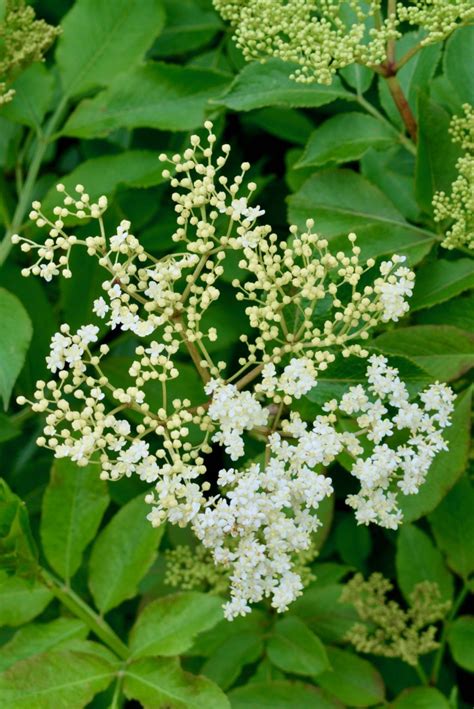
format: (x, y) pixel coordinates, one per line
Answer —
(304, 305)
(193, 569)
(458, 207)
(389, 469)
(387, 629)
(324, 36)
(24, 41)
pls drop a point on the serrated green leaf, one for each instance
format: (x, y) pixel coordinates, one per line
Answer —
(358, 76)
(342, 201)
(447, 466)
(444, 351)
(21, 600)
(441, 280)
(269, 84)
(209, 642)
(461, 641)
(436, 153)
(456, 63)
(101, 39)
(168, 625)
(162, 683)
(14, 341)
(344, 138)
(33, 94)
(226, 664)
(352, 541)
(190, 24)
(40, 637)
(281, 694)
(18, 553)
(323, 613)
(158, 95)
(392, 171)
(286, 123)
(418, 560)
(452, 523)
(353, 680)
(73, 505)
(31, 292)
(458, 312)
(292, 647)
(421, 698)
(122, 554)
(54, 679)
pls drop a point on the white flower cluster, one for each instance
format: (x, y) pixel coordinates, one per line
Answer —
(266, 516)
(260, 519)
(382, 409)
(235, 412)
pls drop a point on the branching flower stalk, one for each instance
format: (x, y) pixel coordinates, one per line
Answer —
(304, 306)
(322, 37)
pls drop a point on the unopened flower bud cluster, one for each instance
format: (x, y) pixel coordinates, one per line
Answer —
(261, 517)
(323, 36)
(457, 208)
(386, 628)
(24, 41)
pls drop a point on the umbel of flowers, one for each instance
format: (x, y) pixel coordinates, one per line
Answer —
(256, 519)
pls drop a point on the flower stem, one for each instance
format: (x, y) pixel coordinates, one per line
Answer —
(81, 610)
(403, 106)
(457, 603)
(421, 674)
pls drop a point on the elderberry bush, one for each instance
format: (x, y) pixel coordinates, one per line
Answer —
(236, 300)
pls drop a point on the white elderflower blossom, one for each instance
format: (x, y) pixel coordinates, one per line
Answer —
(258, 518)
(235, 411)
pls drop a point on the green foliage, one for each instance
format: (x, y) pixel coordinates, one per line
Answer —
(162, 682)
(452, 525)
(419, 560)
(344, 138)
(168, 625)
(102, 39)
(461, 641)
(56, 678)
(16, 336)
(295, 649)
(157, 95)
(73, 505)
(352, 680)
(88, 617)
(123, 551)
(342, 201)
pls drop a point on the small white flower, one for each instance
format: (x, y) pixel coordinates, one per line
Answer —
(100, 307)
